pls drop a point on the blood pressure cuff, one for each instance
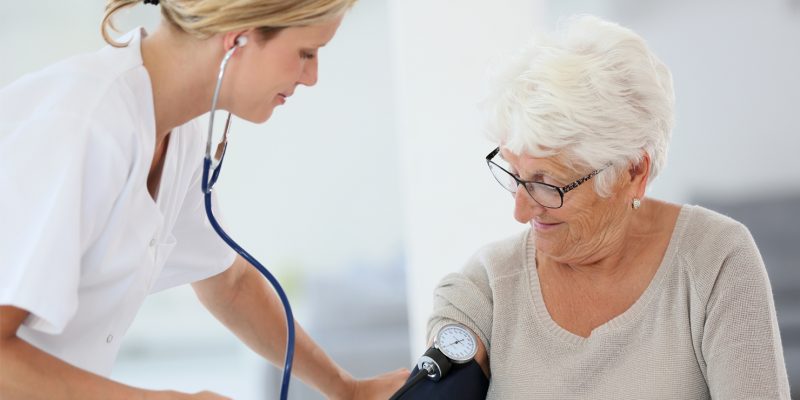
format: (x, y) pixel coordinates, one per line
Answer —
(463, 382)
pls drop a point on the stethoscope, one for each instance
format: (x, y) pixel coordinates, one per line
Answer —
(209, 164)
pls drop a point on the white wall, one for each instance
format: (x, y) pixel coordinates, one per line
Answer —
(452, 204)
(316, 187)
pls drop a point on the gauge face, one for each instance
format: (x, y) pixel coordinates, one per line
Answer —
(457, 343)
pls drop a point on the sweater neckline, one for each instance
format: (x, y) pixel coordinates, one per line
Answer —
(631, 314)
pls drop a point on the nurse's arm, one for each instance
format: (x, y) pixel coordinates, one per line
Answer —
(31, 374)
(245, 302)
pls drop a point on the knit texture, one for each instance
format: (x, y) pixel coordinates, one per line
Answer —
(704, 328)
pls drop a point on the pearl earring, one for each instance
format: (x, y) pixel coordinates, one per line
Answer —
(636, 203)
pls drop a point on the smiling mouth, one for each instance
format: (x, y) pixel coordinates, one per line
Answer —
(543, 226)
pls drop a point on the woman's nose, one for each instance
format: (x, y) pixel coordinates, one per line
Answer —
(525, 207)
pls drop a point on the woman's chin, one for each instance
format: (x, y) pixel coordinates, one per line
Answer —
(546, 245)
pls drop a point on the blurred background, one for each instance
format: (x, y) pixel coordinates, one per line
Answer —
(362, 192)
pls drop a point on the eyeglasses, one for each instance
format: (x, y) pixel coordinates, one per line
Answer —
(548, 196)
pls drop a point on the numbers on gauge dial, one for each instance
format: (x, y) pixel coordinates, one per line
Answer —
(456, 343)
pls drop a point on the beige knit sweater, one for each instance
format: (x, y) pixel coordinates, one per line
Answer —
(704, 328)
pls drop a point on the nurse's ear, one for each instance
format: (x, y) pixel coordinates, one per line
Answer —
(235, 39)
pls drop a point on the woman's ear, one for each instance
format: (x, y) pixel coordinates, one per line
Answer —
(639, 172)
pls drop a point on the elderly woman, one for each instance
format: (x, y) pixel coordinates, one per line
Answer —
(609, 294)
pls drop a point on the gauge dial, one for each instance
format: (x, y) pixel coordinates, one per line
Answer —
(457, 343)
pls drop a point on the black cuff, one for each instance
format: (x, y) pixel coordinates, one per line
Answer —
(464, 382)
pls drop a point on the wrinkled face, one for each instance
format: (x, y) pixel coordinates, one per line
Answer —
(583, 227)
(266, 73)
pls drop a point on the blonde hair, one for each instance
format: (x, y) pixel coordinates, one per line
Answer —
(205, 18)
(593, 94)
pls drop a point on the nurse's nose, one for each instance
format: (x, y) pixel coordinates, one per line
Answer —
(309, 75)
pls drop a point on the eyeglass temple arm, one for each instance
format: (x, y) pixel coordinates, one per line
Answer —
(492, 153)
(577, 183)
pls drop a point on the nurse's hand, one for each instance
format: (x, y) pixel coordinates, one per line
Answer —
(206, 395)
(380, 387)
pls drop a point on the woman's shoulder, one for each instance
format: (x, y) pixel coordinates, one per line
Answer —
(504, 257)
(708, 241)
(707, 229)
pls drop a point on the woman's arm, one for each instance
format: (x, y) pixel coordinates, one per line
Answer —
(243, 300)
(465, 298)
(741, 343)
(29, 373)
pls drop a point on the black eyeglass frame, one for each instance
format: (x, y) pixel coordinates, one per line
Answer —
(562, 190)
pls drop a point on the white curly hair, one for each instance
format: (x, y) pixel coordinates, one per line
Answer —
(593, 94)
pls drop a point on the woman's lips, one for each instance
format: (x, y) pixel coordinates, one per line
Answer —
(545, 226)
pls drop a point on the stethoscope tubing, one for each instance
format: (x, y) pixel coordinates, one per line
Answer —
(206, 187)
(287, 366)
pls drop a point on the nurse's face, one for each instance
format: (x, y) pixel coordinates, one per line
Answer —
(268, 71)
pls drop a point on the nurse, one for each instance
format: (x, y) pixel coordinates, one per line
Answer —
(100, 169)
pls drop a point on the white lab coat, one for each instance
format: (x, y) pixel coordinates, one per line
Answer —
(81, 240)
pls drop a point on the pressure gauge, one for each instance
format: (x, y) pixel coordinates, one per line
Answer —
(457, 343)
(453, 344)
